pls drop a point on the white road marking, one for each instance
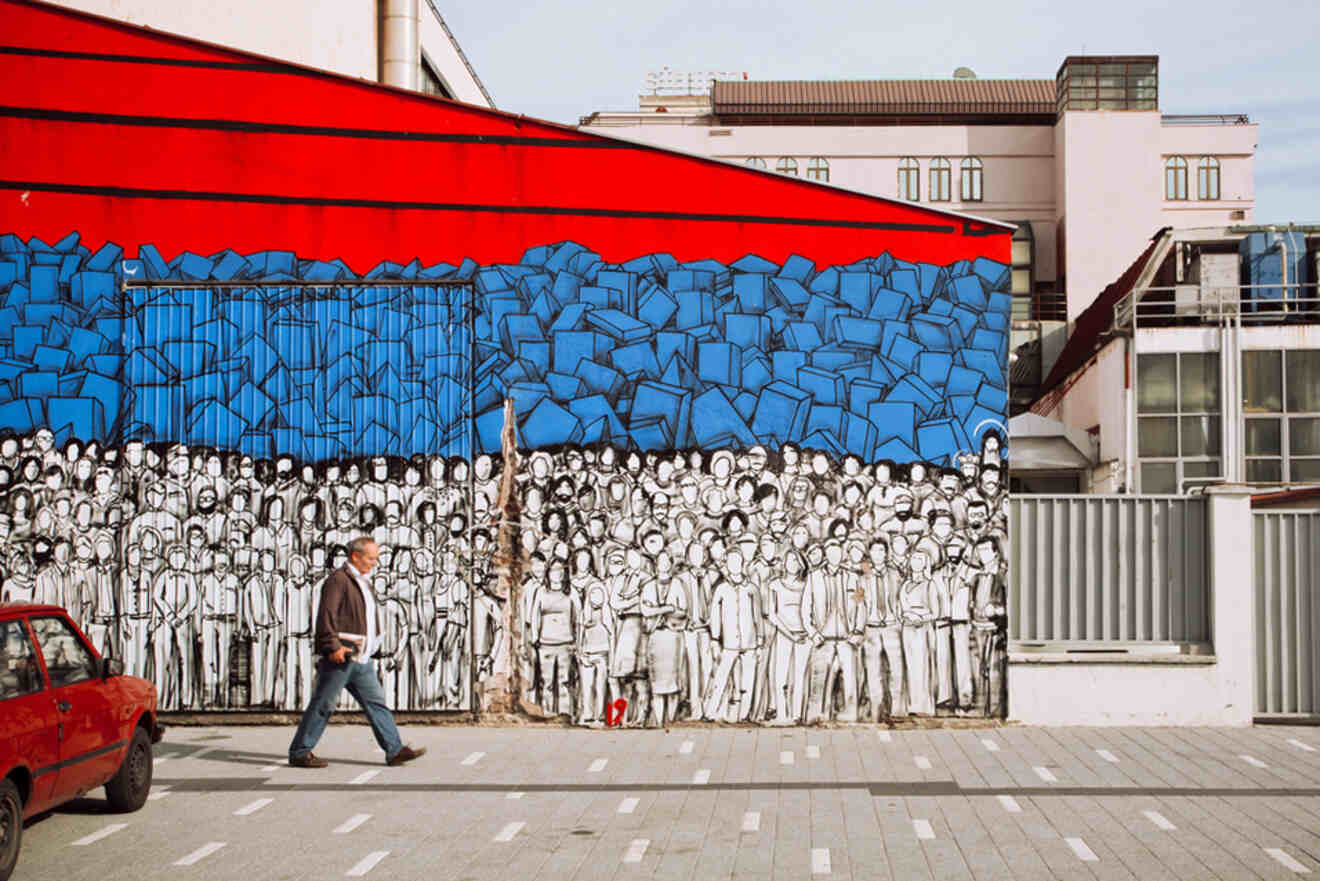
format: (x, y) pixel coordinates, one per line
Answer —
(786, 757)
(922, 762)
(1084, 853)
(923, 829)
(1046, 774)
(885, 736)
(1253, 761)
(685, 747)
(97, 836)
(202, 752)
(820, 861)
(1010, 804)
(636, 850)
(1106, 755)
(473, 758)
(200, 854)
(253, 808)
(515, 795)
(1159, 820)
(702, 776)
(156, 760)
(628, 805)
(1297, 743)
(159, 792)
(351, 823)
(367, 863)
(1286, 859)
(509, 830)
(598, 765)
(363, 778)
(270, 767)
(752, 821)
(813, 751)
(989, 744)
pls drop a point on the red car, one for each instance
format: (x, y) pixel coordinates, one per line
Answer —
(70, 721)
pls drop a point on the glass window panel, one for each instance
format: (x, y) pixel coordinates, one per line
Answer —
(1021, 253)
(1157, 436)
(1200, 435)
(1199, 382)
(1157, 383)
(1304, 436)
(1204, 468)
(1112, 103)
(1263, 437)
(1264, 471)
(1304, 380)
(1304, 470)
(1021, 281)
(1262, 381)
(1159, 477)
(1145, 71)
(19, 672)
(1111, 93)
(67, 659)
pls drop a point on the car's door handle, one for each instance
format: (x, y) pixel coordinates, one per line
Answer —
(64, 706)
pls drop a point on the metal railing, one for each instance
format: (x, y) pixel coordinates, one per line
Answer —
(1205, 119)
(1108, 571)
(1276, 303)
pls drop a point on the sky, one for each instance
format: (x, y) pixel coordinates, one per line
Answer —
(563, 60)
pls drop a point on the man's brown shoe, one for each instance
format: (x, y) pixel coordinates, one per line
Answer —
(308, 761)
(407, 754)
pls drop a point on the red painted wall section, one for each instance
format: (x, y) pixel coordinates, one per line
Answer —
(134, 136)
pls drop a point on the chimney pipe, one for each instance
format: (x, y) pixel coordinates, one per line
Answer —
(400, 52)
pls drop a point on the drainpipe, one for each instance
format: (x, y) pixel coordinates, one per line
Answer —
(399, 48)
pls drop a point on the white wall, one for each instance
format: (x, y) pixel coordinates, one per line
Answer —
(1098, 397)
(441, 51)
(338, 36)
(1066, 690)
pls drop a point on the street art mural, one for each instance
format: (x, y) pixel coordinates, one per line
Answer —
(754, 492)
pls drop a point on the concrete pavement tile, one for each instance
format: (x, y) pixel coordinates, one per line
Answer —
(539, 849)
(1125, 773)
(1107, 838)
(1047, 841)
(793, 841)
(827, 829)
(949, 753)
(1297, 766)
(907, 858)
(1256, 822)
(1191, 811)
(965, 829)
(718, 850)
(1170, 848)
(680, 858)
(943, 854)
(865, 844)
(1017, 758)
(1023, 861)
(1212, 752)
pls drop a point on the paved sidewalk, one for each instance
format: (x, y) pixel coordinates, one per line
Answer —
(711, 803)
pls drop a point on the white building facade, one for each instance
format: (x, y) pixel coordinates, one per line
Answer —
(403, 43)
(1086, 164)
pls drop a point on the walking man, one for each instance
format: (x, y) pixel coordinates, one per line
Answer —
(347, 635)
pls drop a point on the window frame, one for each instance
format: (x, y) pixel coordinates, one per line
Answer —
(972, 178)
(909, 179)
(1178, 414)
(78, 639)
(1175, 179)
(941, 180)
(1207, 173)
(1283, 418)
(756, 162)
(1023, 233)
(38, 662)
(787, 165)
(818, 169)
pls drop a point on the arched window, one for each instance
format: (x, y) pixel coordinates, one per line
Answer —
(786, 165)
(971, 179)
(1175, 178)
(818, 169)
(909, 180)
(1207, 178)
(755, 162)
(941, 180)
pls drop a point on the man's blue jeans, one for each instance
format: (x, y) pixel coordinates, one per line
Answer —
(361, 682)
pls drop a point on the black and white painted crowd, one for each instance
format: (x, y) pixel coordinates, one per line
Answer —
(779, 587)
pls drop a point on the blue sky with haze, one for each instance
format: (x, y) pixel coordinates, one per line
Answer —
(560, 61)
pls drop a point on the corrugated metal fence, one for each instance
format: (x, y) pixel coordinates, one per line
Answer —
(1287, 566)
(1099, 568)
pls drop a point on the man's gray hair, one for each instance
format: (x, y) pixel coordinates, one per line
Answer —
(359, 545)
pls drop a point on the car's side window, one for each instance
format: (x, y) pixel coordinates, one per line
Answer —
(67, 659)
(19, 672)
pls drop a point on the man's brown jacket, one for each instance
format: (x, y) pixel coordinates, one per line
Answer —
(342, 610)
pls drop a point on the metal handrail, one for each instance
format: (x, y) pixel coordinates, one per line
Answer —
(1206, 118)
(1216, 305)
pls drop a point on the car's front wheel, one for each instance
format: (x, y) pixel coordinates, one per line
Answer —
(127, 790)
(11, 827)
